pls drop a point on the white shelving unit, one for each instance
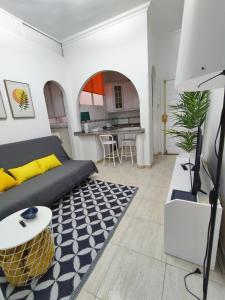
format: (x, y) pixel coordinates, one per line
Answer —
(186, 222)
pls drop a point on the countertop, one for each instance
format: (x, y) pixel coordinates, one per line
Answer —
(115, 130)
(58, 125)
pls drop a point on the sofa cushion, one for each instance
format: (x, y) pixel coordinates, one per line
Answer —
(6, 181)
(48, 162)
(26, 171)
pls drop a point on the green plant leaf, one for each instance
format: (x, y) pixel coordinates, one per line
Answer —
(189, 113)
(186, 139)
(24, 101)
(191, 109)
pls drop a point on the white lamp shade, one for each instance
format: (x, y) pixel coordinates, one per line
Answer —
(202, 46)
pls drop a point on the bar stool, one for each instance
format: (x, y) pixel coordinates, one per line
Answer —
(127, 145)
(107, 140)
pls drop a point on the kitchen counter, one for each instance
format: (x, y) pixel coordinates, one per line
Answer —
(123, 130)
(58, 125)
(89, 145)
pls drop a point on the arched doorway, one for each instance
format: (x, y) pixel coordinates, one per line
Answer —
(54, 98)
(109, 98)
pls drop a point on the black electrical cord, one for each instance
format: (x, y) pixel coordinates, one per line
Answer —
(207, 244)
(190, 169)
(215, 142)
(197, 271)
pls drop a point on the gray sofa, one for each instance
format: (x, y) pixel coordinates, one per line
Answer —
(46, 188)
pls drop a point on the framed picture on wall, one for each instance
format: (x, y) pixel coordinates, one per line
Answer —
(20, 100)
(3, 115)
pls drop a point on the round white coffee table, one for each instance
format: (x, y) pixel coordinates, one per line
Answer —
(27, 247)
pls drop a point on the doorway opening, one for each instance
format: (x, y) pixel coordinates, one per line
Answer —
(109, 99)
(171, 98)
(54, 99)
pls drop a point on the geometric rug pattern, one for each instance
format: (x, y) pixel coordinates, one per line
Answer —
(83, 221)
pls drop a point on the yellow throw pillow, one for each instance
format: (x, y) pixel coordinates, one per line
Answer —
(26, 172)
(48, 162)
(6, 181)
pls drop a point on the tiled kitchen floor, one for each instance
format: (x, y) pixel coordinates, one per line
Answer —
(133, 265)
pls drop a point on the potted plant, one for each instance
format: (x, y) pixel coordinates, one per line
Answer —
(188, 114)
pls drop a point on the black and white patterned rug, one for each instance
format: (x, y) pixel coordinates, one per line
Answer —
(83, 221)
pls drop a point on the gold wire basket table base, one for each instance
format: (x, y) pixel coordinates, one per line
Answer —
(29, 260)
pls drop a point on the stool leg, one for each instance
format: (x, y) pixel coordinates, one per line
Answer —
(131, 154)
(122, 152)
(113, 155)
(109, 155)
(104, 155)
(118, 154)
(125, 152)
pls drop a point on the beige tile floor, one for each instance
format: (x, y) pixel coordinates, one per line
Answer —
(133, 265)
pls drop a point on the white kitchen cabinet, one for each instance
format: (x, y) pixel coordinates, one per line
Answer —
(129, 97)
(109, 97)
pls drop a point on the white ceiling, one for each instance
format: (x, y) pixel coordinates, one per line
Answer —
(63, 18)
(167, 15)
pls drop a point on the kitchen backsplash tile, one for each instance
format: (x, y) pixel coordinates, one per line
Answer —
(99, 117)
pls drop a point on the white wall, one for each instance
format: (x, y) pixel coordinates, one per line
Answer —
(121, 46)
(152, 56)
(26, 56)
(166, 63)
(168, 46)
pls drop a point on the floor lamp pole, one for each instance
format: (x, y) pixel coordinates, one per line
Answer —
(213, 200)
